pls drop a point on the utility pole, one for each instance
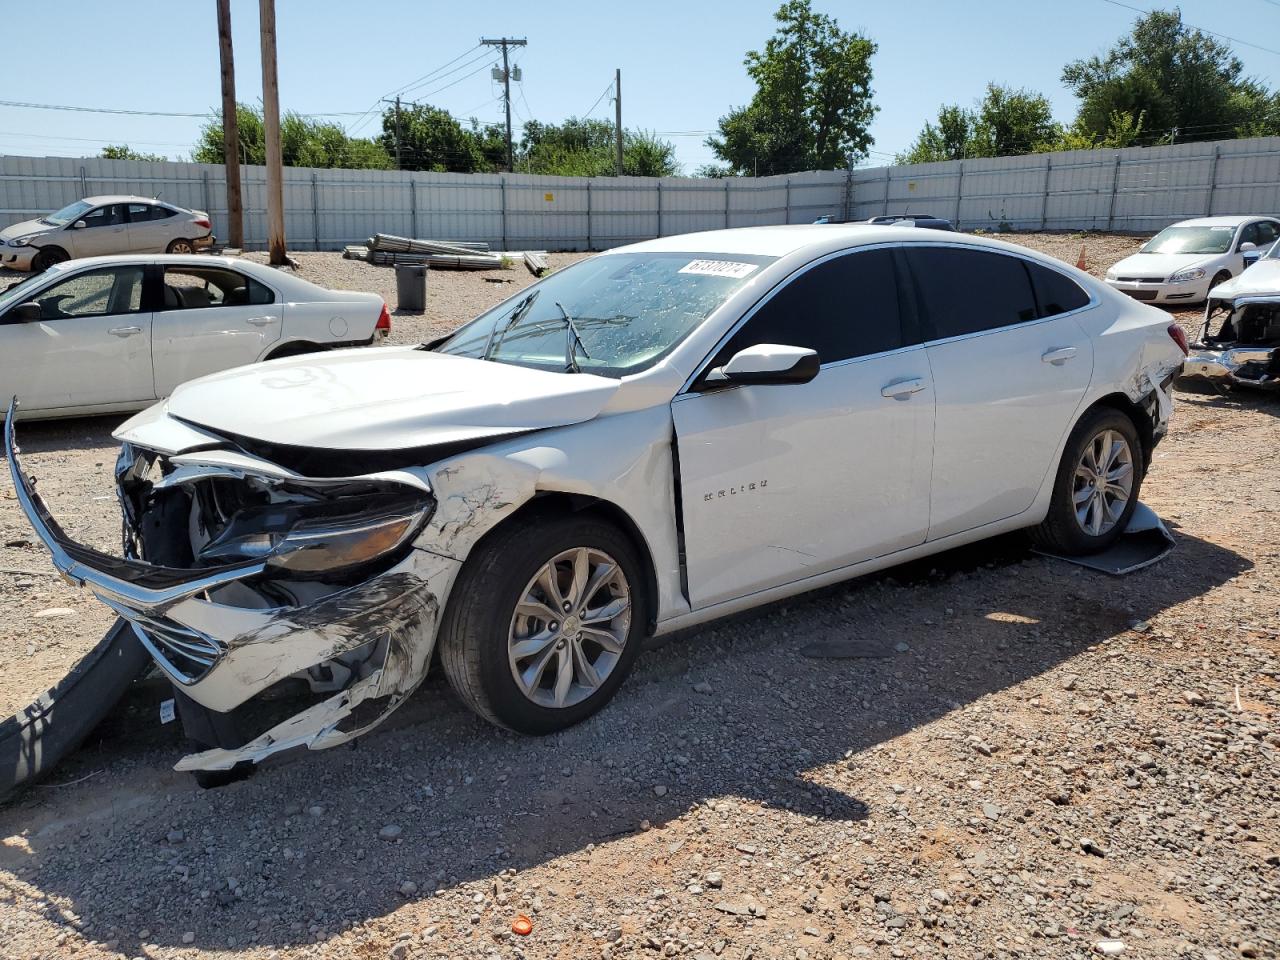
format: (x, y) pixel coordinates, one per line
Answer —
(617, 117)
(230, 129)
(504, 43)
(271, 124)
(398, 131)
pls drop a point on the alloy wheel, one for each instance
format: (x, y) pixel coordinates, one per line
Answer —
(569, 627)
(1103, 483)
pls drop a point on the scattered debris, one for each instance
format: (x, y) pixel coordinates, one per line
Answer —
(1109, 948)
(536, 261)
(522, 926)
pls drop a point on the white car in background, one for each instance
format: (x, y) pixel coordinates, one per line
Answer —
(99, 226)
(112, 334)
(1181, 263)
(655, 437)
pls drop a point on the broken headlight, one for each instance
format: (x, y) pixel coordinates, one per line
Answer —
(305, 538)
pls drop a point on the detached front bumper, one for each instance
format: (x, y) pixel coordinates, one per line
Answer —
(216, 638)
(1238, 366)
(17, 258)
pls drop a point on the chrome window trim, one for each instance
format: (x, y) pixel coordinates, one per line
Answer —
(769, 295)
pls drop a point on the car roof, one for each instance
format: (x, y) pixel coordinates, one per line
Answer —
(815, 239)
(122, 197)
(1221, 221)
(282, 280)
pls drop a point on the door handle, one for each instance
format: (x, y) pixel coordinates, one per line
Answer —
(124, 331)
(902, 389)
(1058, 356)
(261, 321)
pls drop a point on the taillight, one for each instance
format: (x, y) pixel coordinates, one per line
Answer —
(383, 326)
(1180, 338)
(202, 222)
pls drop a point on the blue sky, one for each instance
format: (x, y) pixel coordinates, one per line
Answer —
(681, 61)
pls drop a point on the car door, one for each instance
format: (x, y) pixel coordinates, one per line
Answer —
(91, 346)
(148, 232)
(105, 232)
(782, 482)
(210, 318)
(1010, 365)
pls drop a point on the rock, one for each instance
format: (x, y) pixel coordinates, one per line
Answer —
(902, 647)
(737, 908)
(1194, 698)
(990, 811)
(1092, 848)
(983, 748)
(660, 790)
(1109, 948)
(189, 937)
(714, 880)
(747, 848)
(54, 612)
(941, 896)
(408, 888)
(316, 811)
(702, 687)
(391, 831)
(175, 836)
(1248, 948)
(399, 951)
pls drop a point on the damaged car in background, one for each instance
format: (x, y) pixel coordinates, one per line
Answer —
(652, 438)
(1239, 342)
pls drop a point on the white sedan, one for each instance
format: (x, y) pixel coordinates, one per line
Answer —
(1181, 263)
(655, 437)
(112, 334)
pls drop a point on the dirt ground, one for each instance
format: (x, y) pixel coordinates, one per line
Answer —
(1014, 758)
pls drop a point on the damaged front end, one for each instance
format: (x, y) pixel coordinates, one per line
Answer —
(287, 611)
(1245, 351)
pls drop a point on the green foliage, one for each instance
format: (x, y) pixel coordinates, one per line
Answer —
(433, 139)
(586, 148)
(1005, 121)
(812, 107)
(1181, 82)
(123, 151)
(303, 142)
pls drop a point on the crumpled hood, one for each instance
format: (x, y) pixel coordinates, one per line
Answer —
(25, 228)
(383, 398)
(1163, 265)
(1260, 279)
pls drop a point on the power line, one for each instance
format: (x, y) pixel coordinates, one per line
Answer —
(113, 110)
(1221, 36)
(484, 56)
(607, 90)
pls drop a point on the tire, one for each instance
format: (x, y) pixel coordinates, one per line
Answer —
(34, 740)
(481, 620)
(1222, 276)
(47, 257)
(1062, 531)
(180, 246)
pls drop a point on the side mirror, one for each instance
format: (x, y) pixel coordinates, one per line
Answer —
(1251, 257)
(767, 363)
(28, 312)
(78, 225)
(1247, 246)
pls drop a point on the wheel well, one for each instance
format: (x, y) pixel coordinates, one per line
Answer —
(555, 503)
(53, 248)
(294, 348)
(1140, 418)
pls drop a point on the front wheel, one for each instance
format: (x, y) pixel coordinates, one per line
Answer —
(1096, 487)
(47, 258)
(180, 246)
(544, 623)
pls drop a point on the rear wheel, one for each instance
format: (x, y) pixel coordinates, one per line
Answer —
(546, 620)
(1097, 485)
(47, 257)
(180, 246)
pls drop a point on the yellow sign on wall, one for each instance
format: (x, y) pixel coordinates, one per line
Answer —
(548, 197)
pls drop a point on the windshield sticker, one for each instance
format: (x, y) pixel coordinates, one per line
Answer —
(719, 268)
(1222, 229)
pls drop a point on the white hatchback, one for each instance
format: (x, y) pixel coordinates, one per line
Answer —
(112, 334)
(1183, 262)
(654, 437)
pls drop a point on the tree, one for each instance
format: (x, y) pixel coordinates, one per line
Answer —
(1181, 82)
(433, 139)
(586, 148)
(812, 107)
(1005, 122)
(123, 151)
(303, 142)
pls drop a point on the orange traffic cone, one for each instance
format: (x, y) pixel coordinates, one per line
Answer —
(1081, 264)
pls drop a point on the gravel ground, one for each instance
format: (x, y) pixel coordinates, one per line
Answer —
(1014, 758)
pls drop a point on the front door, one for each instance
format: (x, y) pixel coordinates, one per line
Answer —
(105, 232)
(212, 318)
(781, 483)
(1010, 365)
(91, 347)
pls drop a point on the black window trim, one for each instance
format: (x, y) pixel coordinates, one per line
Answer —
(925, 324)
(907, 312)
(58, 279)
(153, 289)
(101, 206)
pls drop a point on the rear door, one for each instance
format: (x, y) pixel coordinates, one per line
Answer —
(209, 319)
(784, 482)
(105, 232)
(148, 227)
(92, 345)
(1010, 366)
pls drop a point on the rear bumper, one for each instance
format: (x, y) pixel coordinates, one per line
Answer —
(204, 243)
(1239, 366)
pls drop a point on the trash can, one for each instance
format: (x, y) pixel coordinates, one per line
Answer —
(411, 288)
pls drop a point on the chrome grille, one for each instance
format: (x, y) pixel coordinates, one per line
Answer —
(185, 654)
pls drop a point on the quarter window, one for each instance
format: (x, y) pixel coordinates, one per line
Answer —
(145, 212)
(191, 288)
(97, 293)
(846, 307)
(1055, 292)
(968, 291)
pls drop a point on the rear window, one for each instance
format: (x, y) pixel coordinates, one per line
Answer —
(1055, 292)
(968, 291)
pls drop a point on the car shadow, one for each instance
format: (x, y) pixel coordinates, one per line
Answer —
(1238, 399)
(733, 711)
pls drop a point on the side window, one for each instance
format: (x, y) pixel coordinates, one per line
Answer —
(1055, 292)
(967, 291)
(145, 212)
(191, 288)
(108, 216)
(846, 307)
(97, 293)
(1267, 232)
